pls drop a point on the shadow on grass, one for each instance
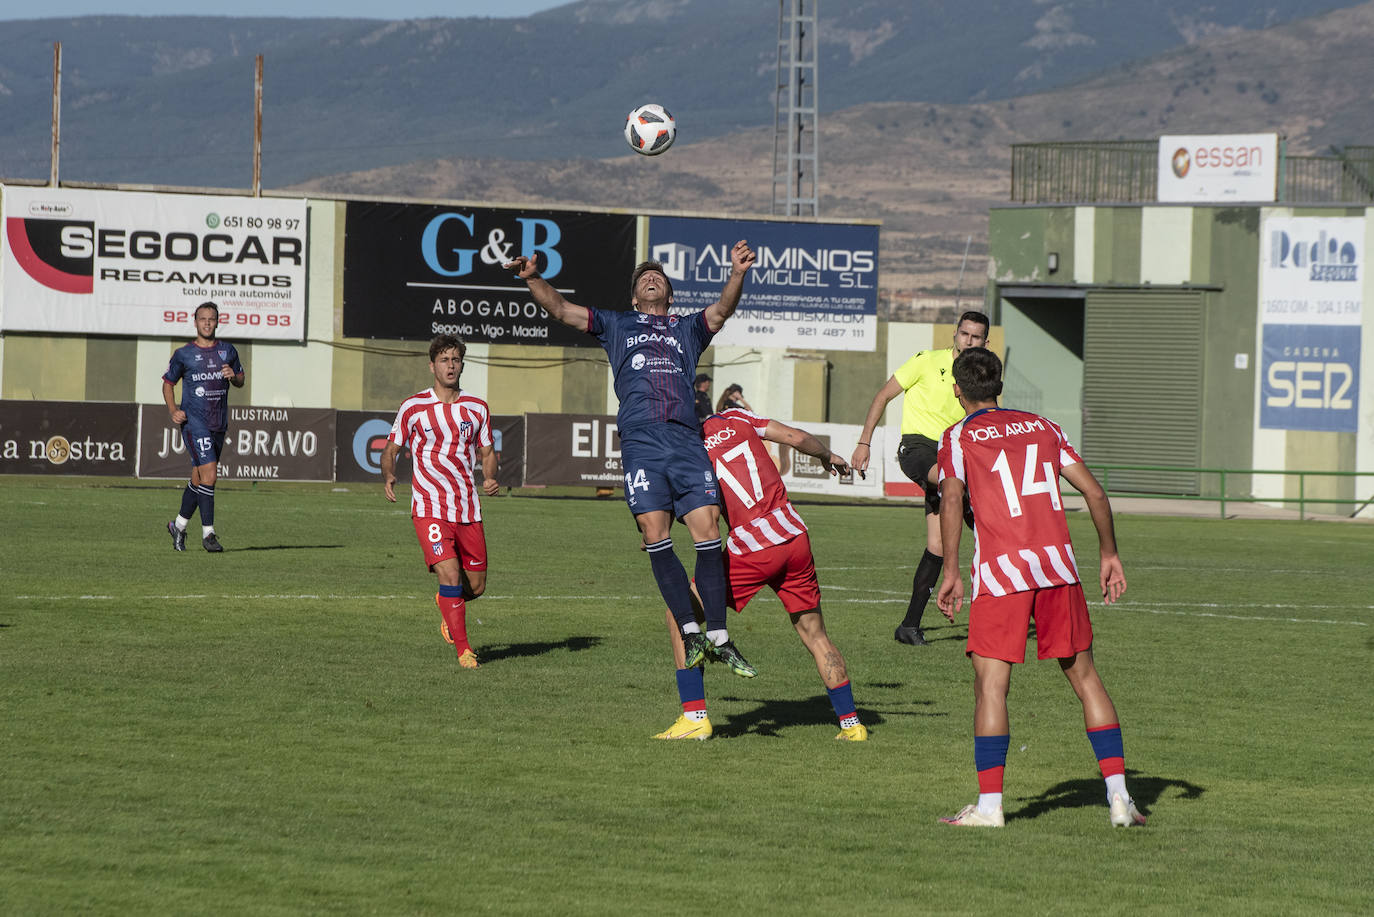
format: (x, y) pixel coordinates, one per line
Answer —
(771, 717)
(498, 651)
(1088, 793)
(284, 547)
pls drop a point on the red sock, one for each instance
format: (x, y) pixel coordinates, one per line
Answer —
(455, 612)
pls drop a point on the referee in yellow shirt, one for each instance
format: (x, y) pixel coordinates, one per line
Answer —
(928, 409)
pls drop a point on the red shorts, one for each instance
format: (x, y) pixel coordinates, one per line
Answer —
(788, 568)
(998, 625)
(441, 540)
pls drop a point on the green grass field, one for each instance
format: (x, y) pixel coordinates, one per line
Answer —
(280, 729)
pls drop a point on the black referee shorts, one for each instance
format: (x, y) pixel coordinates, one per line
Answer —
(916, 454)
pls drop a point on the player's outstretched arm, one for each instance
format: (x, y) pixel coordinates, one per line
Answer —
(389, 470)
(1111, 576)
(807, 443)
(863, 452)
(951, 595)
(742, 258)
(549, 299)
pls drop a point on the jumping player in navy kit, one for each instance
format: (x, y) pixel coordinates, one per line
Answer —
(653, 359)
(206, 368)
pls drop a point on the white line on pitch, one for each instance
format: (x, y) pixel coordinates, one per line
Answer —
(1267, 618)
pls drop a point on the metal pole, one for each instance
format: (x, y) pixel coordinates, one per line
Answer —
(56, 109)
(257, 128)
(959, 287)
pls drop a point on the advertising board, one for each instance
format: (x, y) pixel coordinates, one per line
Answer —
(132, 263)
(68, 437)
(263, 444)
(1311, 306)
(412, 271)
(1218, 168)
(814, 285)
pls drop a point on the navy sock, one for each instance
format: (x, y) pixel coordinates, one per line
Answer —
(691, 688)
(190, 499)
(711, 583)
(671, 577)
(842, 700)
(206, 492)
(927, 575)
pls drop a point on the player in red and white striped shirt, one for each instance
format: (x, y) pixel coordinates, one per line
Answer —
(767, 546)
(447, 431)
(1010, 462)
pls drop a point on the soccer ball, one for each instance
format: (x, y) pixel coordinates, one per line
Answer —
(650, 129)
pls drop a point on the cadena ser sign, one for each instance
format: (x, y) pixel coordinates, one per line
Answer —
(116, 262)
(1311, 308)
(1218, 167)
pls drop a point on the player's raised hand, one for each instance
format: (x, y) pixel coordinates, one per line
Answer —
(742, 257)
(1112, 578)
(524, 267)
(951, 596)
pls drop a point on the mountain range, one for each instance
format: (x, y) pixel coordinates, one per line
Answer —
(920, 102)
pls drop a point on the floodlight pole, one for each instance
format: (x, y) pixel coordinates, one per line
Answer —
(56, 110)
(257, 128)
(796, 138)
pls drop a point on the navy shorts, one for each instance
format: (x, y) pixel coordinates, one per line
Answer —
(666, 468)
(202, 445)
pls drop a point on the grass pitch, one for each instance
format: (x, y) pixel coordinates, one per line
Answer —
(280, 729)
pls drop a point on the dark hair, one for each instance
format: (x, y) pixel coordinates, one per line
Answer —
(725, 400)
(644, 267)
(978, 317)
(978, 372)
(207, 305)
(445, 342)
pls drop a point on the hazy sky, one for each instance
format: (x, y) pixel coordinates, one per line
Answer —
(340, 9)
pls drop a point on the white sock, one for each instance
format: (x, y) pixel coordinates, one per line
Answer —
(1116, 786)
(182, 522)
(989, 802)
(697, 715)
(691, 628)
(206, 531)
(718, 637)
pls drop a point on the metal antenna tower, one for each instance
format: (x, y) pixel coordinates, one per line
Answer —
(796, 141)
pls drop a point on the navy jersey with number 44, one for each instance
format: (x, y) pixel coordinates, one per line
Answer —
(653, 360)
(204, 390)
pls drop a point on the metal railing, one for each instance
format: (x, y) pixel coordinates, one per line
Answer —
(1347, 177)
(1222, 497)
(1126, 171)
(1084, 171)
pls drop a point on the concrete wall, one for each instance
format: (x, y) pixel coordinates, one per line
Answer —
(1153, 246)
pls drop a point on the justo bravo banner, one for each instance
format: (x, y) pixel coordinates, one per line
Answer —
(67, 437)
(1311, 311)
(118, 262)
(263, 444)
(1218, 167)
(814, 285)
(412, 271)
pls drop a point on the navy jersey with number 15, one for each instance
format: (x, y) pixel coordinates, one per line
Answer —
(653, 360)
(204, 390)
